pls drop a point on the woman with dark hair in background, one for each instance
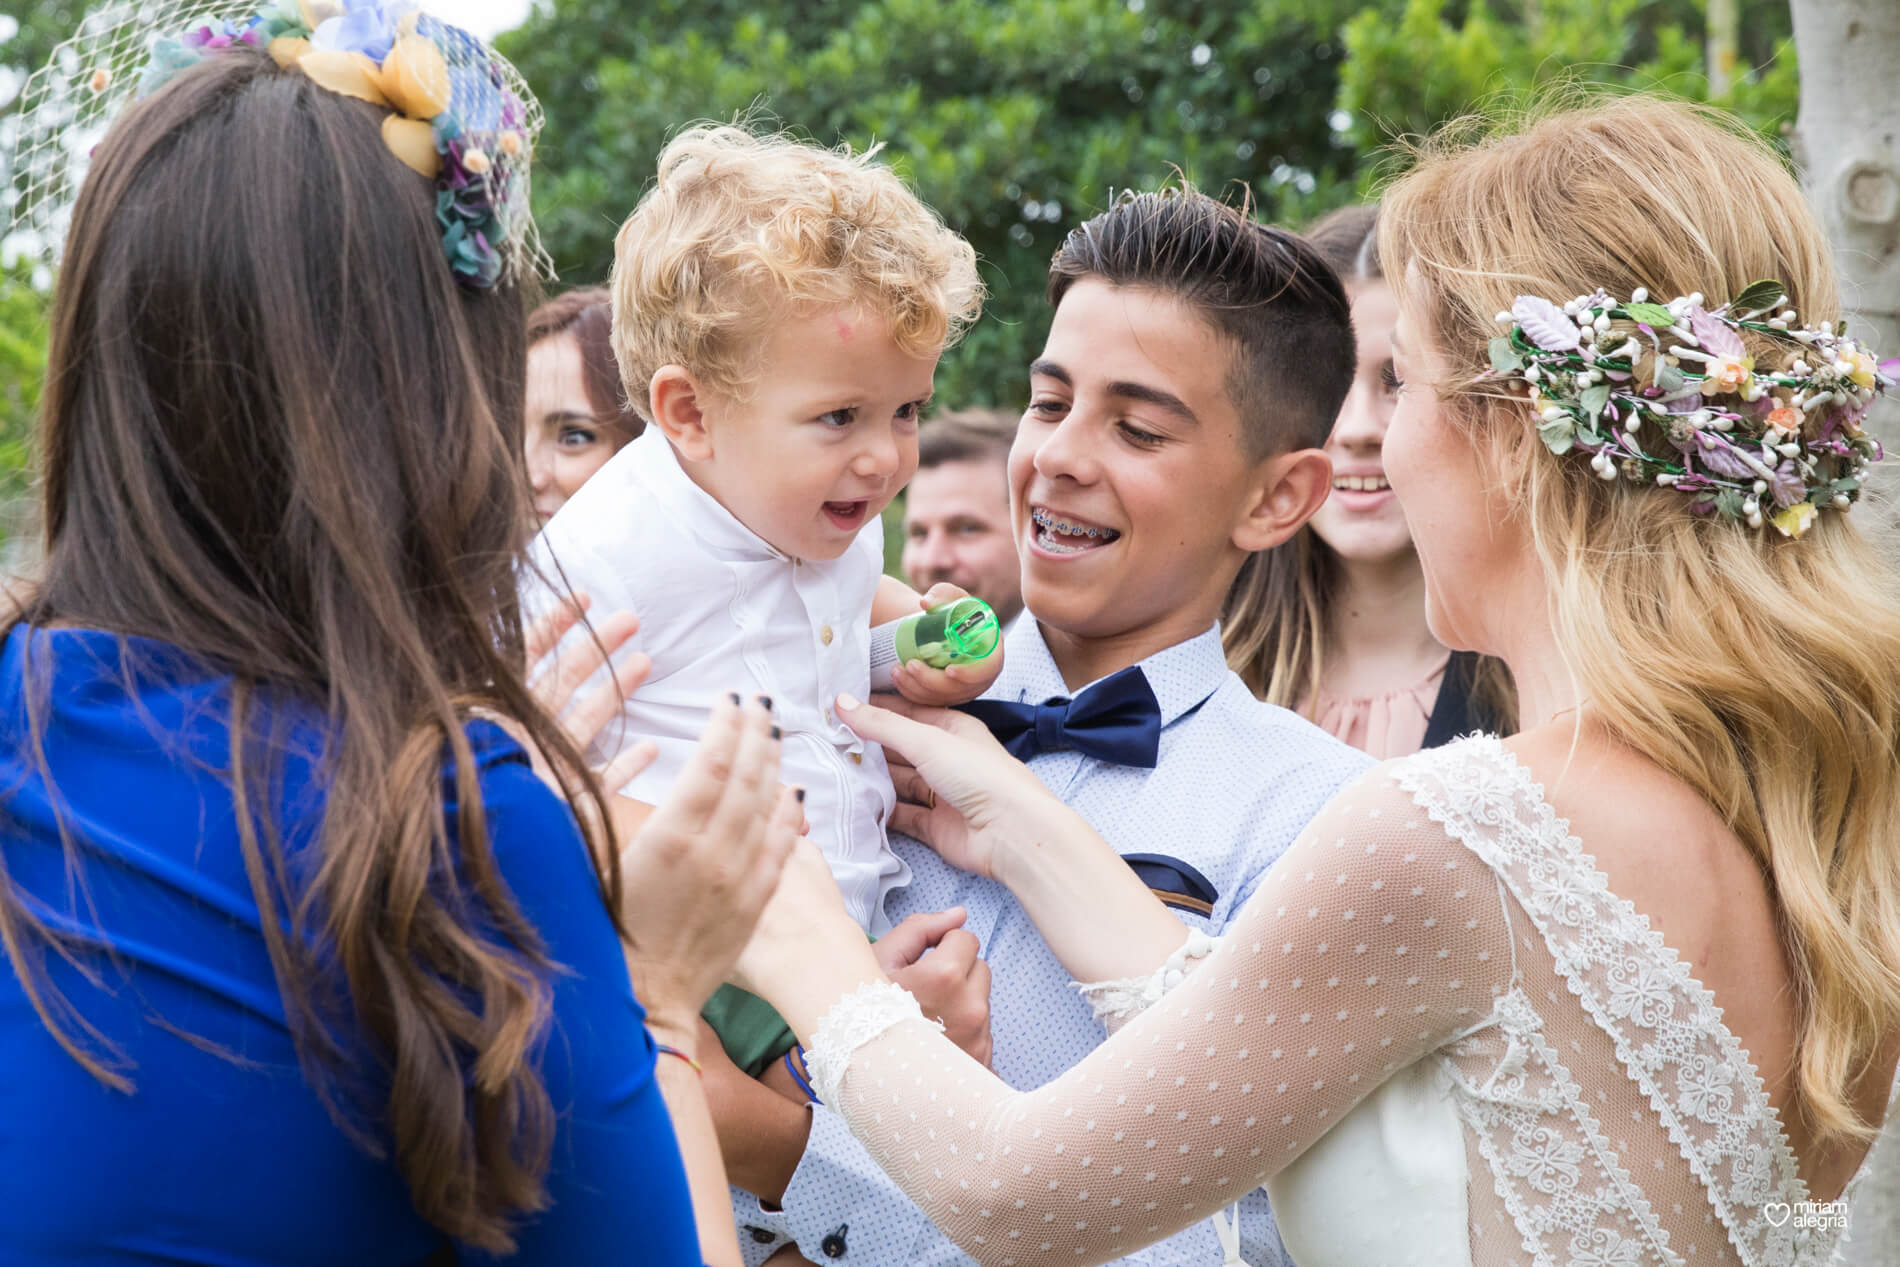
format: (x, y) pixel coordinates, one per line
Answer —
(307, 965)
(578, 416)
(1332, 624)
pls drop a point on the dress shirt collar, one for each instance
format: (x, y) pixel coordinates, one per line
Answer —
(698, 510)
(1181, 676)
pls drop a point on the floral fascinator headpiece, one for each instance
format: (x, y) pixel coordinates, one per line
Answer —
(1671, 398)
(459, 114)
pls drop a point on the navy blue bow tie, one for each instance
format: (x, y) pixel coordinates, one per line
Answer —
(1118, 719)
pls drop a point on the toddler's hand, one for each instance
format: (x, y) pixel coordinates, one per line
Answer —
(934, 957)
(941, 688)
(957, 684)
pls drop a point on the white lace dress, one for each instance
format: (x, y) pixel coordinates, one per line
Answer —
(1434, 1034)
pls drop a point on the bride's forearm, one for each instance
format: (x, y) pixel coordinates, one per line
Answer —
(828, 967)
(1089, 905)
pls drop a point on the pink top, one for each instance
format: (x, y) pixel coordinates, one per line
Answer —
(1383, 726)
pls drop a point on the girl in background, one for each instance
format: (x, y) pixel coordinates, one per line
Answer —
(1332, 624)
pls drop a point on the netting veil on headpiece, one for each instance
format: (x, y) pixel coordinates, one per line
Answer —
(459, 113)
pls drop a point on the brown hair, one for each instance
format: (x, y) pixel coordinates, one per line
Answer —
(307, 475)
(966, 435)
(586, 315)
(1348, 238)
(1277, 621)
(1262, 290)
(1761, 671)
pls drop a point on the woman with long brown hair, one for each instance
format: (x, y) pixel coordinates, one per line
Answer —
(1621, 990)
(306, 963)
(1332, 623)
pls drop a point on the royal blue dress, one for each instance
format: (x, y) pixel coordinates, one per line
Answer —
(224, 1154)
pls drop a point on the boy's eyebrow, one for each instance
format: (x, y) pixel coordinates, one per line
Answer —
(1153, 396)
(1124, 388)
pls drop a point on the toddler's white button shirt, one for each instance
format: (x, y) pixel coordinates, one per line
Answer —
(722, 610)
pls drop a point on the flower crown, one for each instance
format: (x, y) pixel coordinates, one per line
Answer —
(459, 114)
(1773, 447)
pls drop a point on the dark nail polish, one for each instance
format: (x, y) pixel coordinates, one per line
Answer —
(777, 733)
(733, 696)
(765, 702)
(800, 794)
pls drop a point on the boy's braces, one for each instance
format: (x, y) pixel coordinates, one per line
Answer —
(1046, 520)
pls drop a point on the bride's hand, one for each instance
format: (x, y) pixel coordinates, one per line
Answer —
(958, 790)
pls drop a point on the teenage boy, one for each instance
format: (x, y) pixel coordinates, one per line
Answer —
(1193, 370)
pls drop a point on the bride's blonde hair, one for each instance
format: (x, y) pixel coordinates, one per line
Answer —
(1763, 671)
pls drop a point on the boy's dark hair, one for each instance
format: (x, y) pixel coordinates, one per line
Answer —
(1266, 291)
(966, 435)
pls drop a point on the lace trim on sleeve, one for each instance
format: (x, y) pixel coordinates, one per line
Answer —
(1666, 1025)
(1119, 1001)
(856, 1019)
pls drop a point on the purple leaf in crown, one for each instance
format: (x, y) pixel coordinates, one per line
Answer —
(1788, 487)
(1715, 335)
(1684, 404)
(1716, 455)
(1545, 324)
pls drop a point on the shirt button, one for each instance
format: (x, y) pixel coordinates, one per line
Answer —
(760, 1236)
(857, 758)
(824, 635)
(833, 1245)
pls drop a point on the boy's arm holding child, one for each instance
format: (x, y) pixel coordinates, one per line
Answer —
(958, 684)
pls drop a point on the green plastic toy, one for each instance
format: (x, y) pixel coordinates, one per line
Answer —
(959, 632)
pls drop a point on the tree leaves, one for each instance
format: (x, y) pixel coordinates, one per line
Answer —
(1013, 120)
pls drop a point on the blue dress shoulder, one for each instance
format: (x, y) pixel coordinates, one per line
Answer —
(223, 1153)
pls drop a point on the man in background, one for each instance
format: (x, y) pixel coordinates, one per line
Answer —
(956, 511)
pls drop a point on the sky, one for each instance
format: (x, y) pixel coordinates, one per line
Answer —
(481, 17)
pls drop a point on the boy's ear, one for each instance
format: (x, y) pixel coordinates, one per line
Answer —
(673, 396)
(1292, 486)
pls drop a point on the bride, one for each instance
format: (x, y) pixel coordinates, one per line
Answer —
(1621, 990)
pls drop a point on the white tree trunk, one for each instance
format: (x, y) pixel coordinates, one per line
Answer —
(1848, 143)
(1725, 26)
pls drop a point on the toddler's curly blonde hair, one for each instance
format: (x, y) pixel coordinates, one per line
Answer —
(741, 228)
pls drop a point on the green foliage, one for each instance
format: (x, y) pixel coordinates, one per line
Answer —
(1443, 59)
(1013, 120)
(22, 370)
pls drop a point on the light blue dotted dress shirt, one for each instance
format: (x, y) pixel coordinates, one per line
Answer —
(1236, 782)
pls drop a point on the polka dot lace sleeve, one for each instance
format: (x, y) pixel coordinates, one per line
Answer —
(1376, 940)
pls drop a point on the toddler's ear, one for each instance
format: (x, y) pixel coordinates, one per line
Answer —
(1292, 486)
(673, 397)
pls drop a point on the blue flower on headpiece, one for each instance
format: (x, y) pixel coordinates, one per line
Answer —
(366, 26)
